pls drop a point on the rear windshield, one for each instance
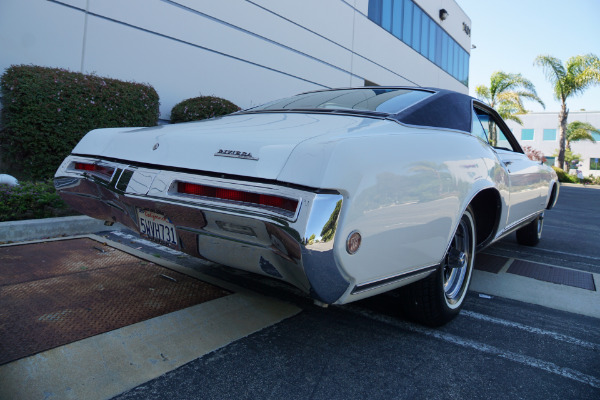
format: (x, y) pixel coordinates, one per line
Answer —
(389, 101)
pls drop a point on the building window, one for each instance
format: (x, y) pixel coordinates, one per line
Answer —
(413, 26)
(595, 164)
(526, 134)
(550, 161)
(549, 134)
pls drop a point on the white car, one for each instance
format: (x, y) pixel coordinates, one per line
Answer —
(343, 193)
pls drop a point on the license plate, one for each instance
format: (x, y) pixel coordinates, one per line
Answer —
(157, 227)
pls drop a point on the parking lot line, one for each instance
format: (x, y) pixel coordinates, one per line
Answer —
(528, 361)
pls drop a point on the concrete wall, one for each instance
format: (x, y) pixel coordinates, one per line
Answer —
(248, 51)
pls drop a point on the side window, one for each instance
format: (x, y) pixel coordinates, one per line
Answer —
(493, 133)
(477, 128)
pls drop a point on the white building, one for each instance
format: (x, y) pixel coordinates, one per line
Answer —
(540, 131)
(247, 51)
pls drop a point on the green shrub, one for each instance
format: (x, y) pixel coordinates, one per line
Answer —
(46, 111)
(592, 180)
(201, 107)
(31, 200)
(564, 177)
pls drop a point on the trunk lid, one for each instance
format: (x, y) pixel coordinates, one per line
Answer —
(255, 145)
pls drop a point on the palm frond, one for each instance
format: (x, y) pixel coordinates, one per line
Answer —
(555, 73)
(580, 131)
(483, 94)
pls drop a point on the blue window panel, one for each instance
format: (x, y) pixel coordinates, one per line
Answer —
(438, 46)
(526, 134)
(549, 134)
(407, 22)
(596, 137)
(450, 56)
(386, 15)
(425, 34)
(375, 11)
(416, 38)
(466, 72)
(444, 51)
(456, 60)
(397, 12)
(432, 31)
(461, 61)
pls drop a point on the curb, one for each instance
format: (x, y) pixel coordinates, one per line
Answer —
(32, 229)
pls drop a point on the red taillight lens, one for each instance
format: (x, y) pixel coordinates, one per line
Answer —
(238, 195)
(98, 169)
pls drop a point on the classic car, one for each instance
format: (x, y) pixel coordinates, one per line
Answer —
(343, 193)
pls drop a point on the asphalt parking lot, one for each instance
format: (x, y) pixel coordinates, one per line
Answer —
(520, 335)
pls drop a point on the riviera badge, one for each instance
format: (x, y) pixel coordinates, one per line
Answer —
(235, 154)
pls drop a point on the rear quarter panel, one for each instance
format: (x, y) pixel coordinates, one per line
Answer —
(404, 190)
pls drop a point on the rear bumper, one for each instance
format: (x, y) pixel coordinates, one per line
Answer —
(263, 240)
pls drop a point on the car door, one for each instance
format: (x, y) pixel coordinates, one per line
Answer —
(524, 175)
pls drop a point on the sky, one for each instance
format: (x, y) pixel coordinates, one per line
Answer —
(510, 34)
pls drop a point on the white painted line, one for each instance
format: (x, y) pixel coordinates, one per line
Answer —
(484, 348)
(531, 329)
(506, 266)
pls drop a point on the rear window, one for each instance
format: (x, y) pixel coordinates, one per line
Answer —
(388, 101)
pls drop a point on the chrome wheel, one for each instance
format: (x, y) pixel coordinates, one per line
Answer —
(438, 298)
(459, 262)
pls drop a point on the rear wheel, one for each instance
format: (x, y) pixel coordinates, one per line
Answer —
(530, 234)
(438, 298)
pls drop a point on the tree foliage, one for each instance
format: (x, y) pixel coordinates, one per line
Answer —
(506, 94)
(573, 78)
(580, 131)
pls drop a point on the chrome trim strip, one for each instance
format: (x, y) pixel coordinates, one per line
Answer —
(518, 224)
(392, 279)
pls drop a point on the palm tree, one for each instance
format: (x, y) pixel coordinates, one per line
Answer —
(505, 94)
(578, 74)
(579, 131)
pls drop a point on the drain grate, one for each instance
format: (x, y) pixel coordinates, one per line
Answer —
(489, 263)
(54, 293)
(549, 273)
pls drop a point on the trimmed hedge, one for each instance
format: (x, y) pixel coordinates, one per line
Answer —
(31, 200)
(46, 111)
(202, 107)
(564, 177)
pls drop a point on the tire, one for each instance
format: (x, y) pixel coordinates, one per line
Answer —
(438, 298)
(530, 234)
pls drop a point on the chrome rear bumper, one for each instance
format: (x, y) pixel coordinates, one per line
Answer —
(283, 245)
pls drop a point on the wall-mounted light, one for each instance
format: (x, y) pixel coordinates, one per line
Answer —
(443, 14)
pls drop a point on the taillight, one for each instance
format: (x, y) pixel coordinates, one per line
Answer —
(95, 168)
(282, 203)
